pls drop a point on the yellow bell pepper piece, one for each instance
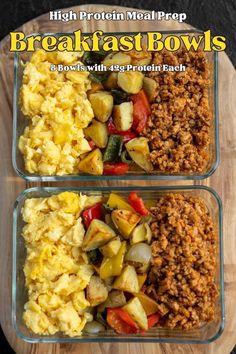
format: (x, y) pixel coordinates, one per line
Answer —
(141, 279)
(115, 201)
(113, 266)
(150, 306)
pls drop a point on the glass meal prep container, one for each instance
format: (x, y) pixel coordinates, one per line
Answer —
(20, 122)
(208, 332)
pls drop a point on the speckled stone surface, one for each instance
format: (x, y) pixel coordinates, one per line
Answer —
(217, 15)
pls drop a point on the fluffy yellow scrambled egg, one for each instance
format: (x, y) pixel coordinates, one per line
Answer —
(57, 107)
(56, 269)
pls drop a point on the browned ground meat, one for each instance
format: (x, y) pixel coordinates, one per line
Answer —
(182, 276)
(179, 126)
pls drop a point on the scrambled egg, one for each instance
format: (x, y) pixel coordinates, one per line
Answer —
(58, 109)
(56, 269)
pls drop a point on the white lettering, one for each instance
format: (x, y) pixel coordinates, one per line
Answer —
(53, 67)
(62, 16)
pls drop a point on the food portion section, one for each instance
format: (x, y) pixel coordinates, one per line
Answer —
(182, 278)
(179, 128)
(58, 109)
(115, 122)
(102, 263)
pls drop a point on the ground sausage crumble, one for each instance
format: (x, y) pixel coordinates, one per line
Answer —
(182, 276)
(178, 128)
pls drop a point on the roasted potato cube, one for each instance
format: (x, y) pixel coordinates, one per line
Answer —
(111, 82)
(117, 59)
(109, 282)
(97, 235)
(92, 163)
(150, 88)
(123, 116)
(143, 57)
(116, 298)
(97, 131)
(96, 291)
(127, 281)
(141, 233)
(111, 248)
(102, 105)
(138, 150)
(136, 311)
(95, 87)
(125, 221)
(130, 81)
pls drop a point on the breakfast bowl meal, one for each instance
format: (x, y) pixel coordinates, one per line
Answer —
(97, 265)
(160, 122)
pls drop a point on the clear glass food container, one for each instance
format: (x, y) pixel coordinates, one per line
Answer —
(208, 332)
(20, 122)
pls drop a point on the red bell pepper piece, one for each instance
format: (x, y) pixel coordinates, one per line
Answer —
(119, 168)
(140, 117)
(127, 135)
(141, 96)
(95, 212)
(121, 321)
(137, 203)
(141, 111)
(153, 319)
(111, 127)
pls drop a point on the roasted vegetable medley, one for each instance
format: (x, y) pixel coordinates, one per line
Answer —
(85, 122)
(90, 266)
